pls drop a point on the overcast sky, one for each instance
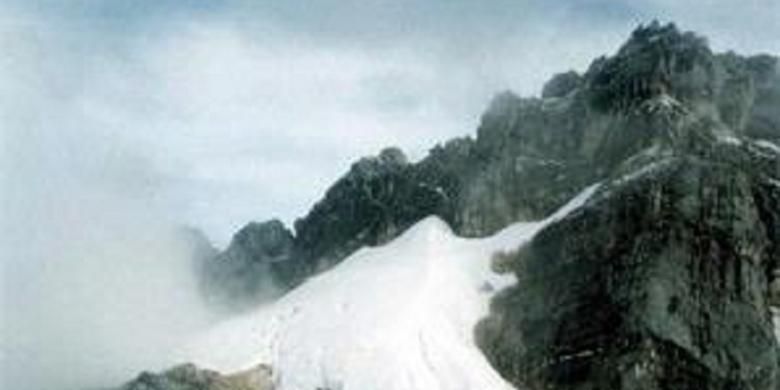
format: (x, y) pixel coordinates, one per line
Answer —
(214, 113)
(121, 119)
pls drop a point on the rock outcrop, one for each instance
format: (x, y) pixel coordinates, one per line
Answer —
(530, 155)
(659, 282)
(190, 377)
(663, 279)
(252, 268)
(375, 201)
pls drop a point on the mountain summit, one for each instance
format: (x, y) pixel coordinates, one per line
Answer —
(663, 91)
(661, 280)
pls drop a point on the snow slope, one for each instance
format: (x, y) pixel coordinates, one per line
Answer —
(400, 316)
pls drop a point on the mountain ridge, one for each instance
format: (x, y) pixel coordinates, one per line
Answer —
(529, 156)
(663, 280)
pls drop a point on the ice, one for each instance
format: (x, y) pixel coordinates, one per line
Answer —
(730, 139)
(769, 145)
(399, 316)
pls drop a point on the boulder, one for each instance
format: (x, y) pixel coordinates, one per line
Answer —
(190, 377)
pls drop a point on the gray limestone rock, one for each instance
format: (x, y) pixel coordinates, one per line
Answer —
(664, 279)
(190, 377)
(252, 268)
(531, 155)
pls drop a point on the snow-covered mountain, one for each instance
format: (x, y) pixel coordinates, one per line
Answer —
(663, 280)
(399, 316)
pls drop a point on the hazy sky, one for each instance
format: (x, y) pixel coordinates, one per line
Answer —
(121, 119)
(223, 112)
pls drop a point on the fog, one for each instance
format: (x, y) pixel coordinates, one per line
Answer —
(122, 121)
(96, 283)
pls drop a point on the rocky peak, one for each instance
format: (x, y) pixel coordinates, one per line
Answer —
(393, 156)
(660, 282)
(269, 240)
(248, 271)
(561, 85)
(646, 279)
(662, 93)
(389, 159)
(503, 102)
(656, 60)
(764, 68)
(190, 377)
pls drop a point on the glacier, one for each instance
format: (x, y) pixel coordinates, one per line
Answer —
(398, 316)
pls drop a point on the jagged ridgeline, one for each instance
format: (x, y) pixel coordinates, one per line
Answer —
(530, 155)
(661, 281)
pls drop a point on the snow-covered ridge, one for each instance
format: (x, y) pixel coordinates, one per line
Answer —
(769, 145)
(400, 316)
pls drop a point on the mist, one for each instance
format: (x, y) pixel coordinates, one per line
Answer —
(96, 281)
(120, 122)
(97, 284)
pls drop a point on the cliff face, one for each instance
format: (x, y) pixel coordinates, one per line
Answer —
(530, 155)
(662, 280)
(659, 282)
(244, 272)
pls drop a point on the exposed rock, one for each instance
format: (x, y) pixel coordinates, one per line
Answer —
(655, 60)
(662, 281)
(531, 155)
(190, 377)
(377, 200)
(764, 119)
(561, 85)
(252, 268)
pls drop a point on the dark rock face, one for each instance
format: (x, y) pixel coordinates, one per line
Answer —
(252, 267)
(660, 283)
(663, 280)
(663, 92)
(764, 119)
(656, 59)
(190, 377)
(561, 85)
(377, 200)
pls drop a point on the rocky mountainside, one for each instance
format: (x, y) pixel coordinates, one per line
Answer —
(242, 272)
(659, 282)
(530, 155)
(663, 280)
(190, 377)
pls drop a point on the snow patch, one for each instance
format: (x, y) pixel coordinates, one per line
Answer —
(768, 145)
(400, 316)
(730, 139)
(663, 104)
(644, 170)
